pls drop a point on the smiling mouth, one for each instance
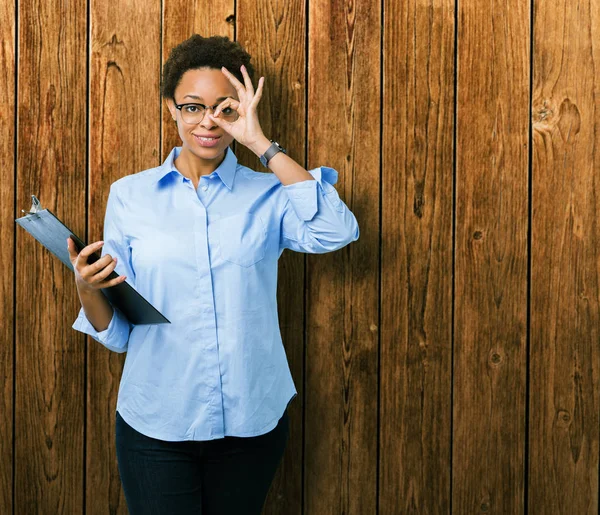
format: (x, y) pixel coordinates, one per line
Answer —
(207, 139)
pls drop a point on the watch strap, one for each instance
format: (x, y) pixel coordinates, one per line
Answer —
(270, 152)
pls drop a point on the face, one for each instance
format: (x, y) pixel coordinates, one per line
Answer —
(203, 86)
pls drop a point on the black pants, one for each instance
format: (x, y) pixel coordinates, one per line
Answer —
(226, 476)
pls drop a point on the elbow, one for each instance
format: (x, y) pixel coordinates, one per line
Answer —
(350, 237)
(354, 232)
(351, 234)
(117, 340)
(342, 238)
(118, 350)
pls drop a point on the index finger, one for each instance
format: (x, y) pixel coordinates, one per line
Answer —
(236, 83)
(90, 249)
(247, 81)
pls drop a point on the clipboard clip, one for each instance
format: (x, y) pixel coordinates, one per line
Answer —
(35, 206)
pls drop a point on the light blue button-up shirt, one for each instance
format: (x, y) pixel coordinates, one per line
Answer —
(207, 259)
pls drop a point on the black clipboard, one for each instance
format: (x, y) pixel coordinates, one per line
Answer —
(46, 228)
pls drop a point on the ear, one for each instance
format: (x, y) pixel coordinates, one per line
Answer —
(172, 108)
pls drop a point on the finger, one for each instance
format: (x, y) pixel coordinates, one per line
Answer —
(86, 251)
(104, 273)
(91, 248)
(87, 271)
(70, 248)
(221, 123)
(112, 282)
(259, 91)
(230, 102)
(247, 81)
(105, 260)
(239, 87)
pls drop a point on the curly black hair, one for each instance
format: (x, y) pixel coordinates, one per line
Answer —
(199, 52)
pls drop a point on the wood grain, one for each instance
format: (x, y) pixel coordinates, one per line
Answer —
(49, 395)
(8, 228)
(490, 302)
(342, 287)
(416, 259)
(263, 28)
(409, 348)
(124, 139)
(565, 260)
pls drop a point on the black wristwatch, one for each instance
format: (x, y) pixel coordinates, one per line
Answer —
(271, 151)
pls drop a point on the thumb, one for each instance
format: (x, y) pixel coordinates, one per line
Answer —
(221, 123)
(71, 248)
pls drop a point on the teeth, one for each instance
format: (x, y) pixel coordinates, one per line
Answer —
(207, 139)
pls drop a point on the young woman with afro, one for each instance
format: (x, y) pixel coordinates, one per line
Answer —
(201, 419)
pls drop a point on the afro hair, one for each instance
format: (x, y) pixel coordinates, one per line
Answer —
(200, 52)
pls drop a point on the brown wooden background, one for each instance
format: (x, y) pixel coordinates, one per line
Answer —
(447, 361)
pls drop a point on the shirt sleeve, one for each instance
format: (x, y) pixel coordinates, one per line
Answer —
(116, 336)
(314, 218)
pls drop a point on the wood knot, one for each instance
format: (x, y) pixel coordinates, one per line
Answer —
(495, 358)
(569, 121)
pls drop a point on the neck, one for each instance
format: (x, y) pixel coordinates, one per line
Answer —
(194, 167)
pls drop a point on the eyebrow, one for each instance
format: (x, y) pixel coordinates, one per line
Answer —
(200, 98)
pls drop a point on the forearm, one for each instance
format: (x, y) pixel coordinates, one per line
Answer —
(96, 307)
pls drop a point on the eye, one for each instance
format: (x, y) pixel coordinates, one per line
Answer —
(191, 108)
(227, 110)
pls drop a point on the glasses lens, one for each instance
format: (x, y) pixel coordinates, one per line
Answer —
(229, 114)
(192, 113)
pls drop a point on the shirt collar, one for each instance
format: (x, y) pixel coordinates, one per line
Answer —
(226, 170)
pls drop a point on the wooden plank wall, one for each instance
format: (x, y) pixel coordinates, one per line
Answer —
(7, 249)
(491, 257)
(447, 361)
(565, 264)
(418, 104)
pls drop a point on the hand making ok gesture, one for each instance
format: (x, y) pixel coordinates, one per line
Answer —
(246, 129)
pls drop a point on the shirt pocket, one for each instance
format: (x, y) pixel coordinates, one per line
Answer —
(242, 239)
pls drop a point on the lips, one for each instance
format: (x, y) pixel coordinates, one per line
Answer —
(213, 142)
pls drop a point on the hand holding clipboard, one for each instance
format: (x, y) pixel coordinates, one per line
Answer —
(45, 227)
(92, 278)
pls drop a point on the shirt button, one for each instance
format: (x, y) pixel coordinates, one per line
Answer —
(204, 188)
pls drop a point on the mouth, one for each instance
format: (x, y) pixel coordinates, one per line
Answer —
(207, 142)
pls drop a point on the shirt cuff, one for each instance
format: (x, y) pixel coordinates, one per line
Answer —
(303, 194)
(114, 337)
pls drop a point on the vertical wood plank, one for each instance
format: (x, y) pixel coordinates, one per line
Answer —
(124, 139)
(342, 311)
(416, 262)
(50, 370)
(8, 213)
(263, 28)
(565, 261)
(491, 258)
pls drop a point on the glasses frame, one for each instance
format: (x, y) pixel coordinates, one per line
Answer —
(180, 106)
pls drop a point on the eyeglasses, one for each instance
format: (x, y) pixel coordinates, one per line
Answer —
(194, 113)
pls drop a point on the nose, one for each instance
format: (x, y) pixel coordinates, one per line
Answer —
(206, 121)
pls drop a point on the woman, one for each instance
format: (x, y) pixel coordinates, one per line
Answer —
(201, 421)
